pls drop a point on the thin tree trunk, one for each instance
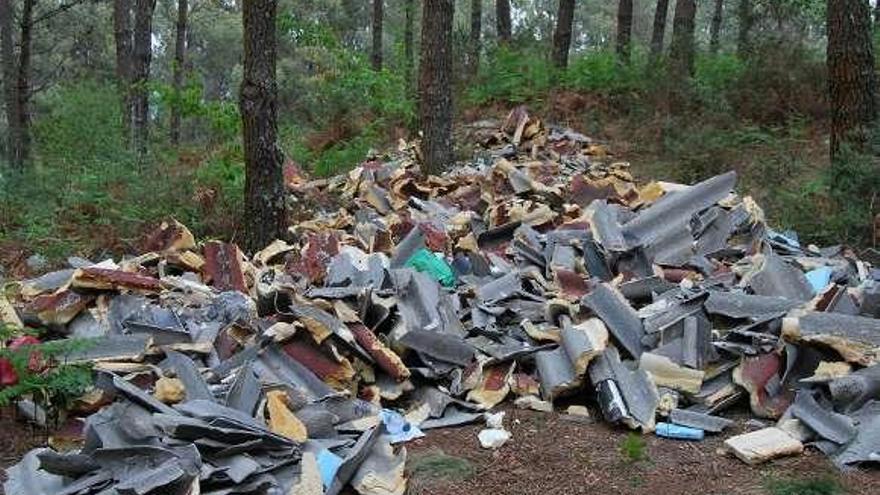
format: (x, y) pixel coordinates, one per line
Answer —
(179, 69)
(877, 13)
(7, 52)
(624, 29)
(435, 84)
(562, 34)
(715, 30)
(503, 23)
(264, 206)
(23, 86)
(143, 53)
(476, 37)
(376, 56)
(659, 33)
(682, 50)
(409, 14)
(123, 34)
(852, 83)
(746, 17)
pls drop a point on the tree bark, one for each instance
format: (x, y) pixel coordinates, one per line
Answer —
(715, 29)
(852, 83)
(7, 52)
(264, 206)
(409, 20)
(475, 37)
(562, 34)
(682, 49)
(376, 55)
(23, 86)
(624, 29)
(746, 16)
(179, 69)
(124, 36)
(143, 53)
(659, 33)
(503, 23)
(435, 84)
(877, 13)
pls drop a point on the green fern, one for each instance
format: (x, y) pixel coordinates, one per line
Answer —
(54, 388)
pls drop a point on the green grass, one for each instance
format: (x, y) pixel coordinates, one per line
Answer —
(633, 448)
(437, 465)
(807, 486)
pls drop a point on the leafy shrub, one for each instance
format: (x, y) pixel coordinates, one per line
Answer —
(715, 76)
(512, 76)
(601, 71)
(86, 193)
(220, 118)
(837, 206)
(57, 384)
(338, 105)
(781, 79)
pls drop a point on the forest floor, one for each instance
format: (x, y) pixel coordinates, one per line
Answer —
(555, 453)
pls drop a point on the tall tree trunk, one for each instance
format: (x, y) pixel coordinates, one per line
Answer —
(682, 50)
(503, 24)
(877, 13)
(746, 17)
(409, 20)
(476, 37)
(852, 83)
(23, 86)
(435, 84)
(562, 34)
(659, 33)
(376, 55)
(179, 69)
(715, 30)
(124, 37)
(143, 54)
(264, 205)
(7, 52)
(624, 28)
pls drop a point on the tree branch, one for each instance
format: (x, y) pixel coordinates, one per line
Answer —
(58, 10)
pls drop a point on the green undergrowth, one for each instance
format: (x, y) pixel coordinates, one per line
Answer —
(633, 448)
(43, 374)
(824, 485)
(436, 464)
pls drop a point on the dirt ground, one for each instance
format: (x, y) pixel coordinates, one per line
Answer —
(552, 453)
(557, 454)
(16, 439)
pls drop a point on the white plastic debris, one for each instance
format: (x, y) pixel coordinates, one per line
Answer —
(493, 438)
(495, 420)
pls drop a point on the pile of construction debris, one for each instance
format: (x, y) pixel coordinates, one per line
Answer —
(538, 271)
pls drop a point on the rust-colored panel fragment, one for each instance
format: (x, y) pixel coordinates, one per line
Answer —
(572, 285)
(169, 236)
(223, 266)
(317, 254)
(61, 307)
(338, 375)
(754, 374)
(108, 279)
(385, 358)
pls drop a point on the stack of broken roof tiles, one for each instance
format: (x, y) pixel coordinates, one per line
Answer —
(539, 271)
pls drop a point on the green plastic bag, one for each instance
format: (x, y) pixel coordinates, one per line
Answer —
(426, 262)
